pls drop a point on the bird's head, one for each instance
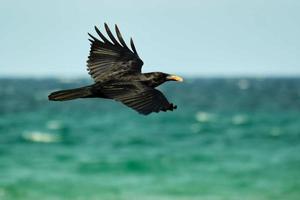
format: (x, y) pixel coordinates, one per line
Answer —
(158, 78)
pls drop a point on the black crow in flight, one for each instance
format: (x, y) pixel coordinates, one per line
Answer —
(116, 70)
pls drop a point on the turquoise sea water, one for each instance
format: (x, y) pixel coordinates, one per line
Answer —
(229, 139)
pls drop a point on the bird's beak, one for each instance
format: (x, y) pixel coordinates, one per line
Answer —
(174, 78)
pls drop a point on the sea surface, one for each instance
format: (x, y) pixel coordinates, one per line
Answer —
(229, 139)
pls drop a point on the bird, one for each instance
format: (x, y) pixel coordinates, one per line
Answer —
(117, 73)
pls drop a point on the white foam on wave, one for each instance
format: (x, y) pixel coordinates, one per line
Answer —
(204, 116)
(239, 119)
(37, 136)
(54, 125)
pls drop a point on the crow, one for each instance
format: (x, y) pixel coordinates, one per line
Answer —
(116, 70)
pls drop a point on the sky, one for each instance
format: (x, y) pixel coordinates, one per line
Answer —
(191, 37)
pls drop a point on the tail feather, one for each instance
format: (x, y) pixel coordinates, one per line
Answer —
(65, 95)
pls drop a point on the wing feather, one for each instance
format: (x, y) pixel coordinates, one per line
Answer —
(95, 39)
(141, 98)
(105, 40)
(111, 36)
(111, 59)
(119, 35)
(132, 46)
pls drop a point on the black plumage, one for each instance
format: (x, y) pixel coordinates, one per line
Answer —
(116, 70)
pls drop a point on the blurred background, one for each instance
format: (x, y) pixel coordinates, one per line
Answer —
(235, 134)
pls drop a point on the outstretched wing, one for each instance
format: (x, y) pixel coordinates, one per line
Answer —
(111, 58)
(141, 98)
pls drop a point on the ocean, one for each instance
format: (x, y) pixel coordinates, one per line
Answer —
(229, 139)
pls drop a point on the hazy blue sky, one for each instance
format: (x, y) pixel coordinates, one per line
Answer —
(200, 37)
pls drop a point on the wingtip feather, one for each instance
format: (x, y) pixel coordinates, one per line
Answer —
(105, 40)
(119, 35)
(110, 35)
(132, 46)
(94, 38)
